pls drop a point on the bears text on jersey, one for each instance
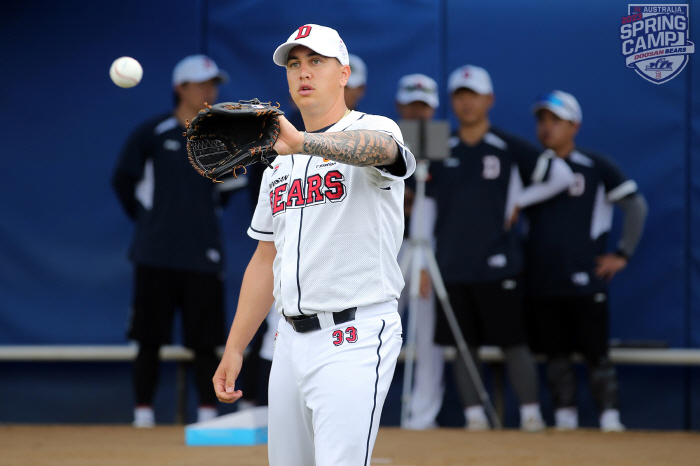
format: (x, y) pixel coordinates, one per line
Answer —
(317, 189)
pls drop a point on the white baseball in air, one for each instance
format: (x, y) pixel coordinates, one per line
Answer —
(126, 72)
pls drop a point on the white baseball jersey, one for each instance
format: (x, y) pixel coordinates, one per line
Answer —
(337, 228)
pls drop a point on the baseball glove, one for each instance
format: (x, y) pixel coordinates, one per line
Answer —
(230, 135)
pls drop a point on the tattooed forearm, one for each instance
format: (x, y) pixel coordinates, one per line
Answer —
(362, 148)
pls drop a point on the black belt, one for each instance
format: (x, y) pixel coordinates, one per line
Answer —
(303, 324)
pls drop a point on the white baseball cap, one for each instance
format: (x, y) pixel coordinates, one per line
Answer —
(418, 87)
(320, 39)
(358, 72)
(471, 77)
(562, 104)
(197, 69)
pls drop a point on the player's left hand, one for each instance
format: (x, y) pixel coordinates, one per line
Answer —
(290, 140)
(609, 265)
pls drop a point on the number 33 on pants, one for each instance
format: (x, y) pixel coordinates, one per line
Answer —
(349, 335)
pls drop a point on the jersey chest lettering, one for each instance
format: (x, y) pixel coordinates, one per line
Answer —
(316, 189)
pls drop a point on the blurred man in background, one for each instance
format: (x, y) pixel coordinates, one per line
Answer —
(479, 190)
(171, 205)
(569, 267)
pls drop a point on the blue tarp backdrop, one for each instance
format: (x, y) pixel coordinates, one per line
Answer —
(64, 275)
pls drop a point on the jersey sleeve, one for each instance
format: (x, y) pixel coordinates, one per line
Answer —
(130, 167)
(531, 167)
(261, 225)
(617, 185)
(558, 177)
(388, 126)
(137, 148)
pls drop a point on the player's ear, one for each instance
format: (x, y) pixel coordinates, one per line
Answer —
(576, 127)
(492, 100)
(344, 74)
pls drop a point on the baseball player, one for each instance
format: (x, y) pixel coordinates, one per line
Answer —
(568, 266)
(170, 204)
(417, 99)
(478, 191)
(329, 222)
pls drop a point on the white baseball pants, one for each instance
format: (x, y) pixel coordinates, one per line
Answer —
(327, 388)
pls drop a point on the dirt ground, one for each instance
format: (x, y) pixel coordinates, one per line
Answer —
(62, 445)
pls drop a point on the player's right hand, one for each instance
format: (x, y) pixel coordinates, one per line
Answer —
(225, 378)
(290, 140)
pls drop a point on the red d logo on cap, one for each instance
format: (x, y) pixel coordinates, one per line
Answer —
(304, 31)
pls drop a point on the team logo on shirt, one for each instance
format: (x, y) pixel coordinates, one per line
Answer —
(492, 167)
(578, 186)
(171, 144)
(656, 40)
(326, 163)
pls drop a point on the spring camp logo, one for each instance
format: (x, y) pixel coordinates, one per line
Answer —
(656, 40)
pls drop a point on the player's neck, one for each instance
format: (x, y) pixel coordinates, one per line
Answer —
(474, 133)
(318, 118)
(565, 150)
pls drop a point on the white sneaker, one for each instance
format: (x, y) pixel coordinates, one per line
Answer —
(531, 418)
(204, 413)
(532, 424)
(478, 425)
(566, 419)
(610, 421)
(476, 419)
(421, 425)
(144, 417)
